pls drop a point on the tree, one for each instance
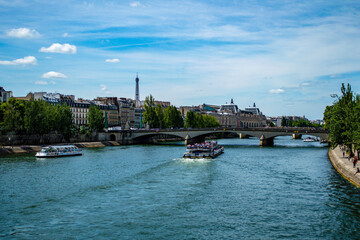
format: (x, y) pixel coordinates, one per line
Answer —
(200, 121)
(96, 119)
(194, 120)
(283, 122)
(341, 119)
(12, 115)
(12, 119)
(159, 116)
(38, 117)
(173, 118)
(150, 115)
(63, 119)
(190, 120)
(357, 123)
(210, 121)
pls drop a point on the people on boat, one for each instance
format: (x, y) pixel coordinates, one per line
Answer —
(204, 145)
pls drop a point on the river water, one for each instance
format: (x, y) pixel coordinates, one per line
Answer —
(289, 191)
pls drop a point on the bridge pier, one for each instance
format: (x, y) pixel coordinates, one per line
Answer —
(243, 136)
(189, 140)
(266, 141)
(296, 136)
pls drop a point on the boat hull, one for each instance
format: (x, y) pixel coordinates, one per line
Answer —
(59, 151)
(55, 156)
(204, 155)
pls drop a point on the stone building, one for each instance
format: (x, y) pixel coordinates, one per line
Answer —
(185, 109)
(5, 95)
(229, 115)
(111, 114)
(126, 113)
(28, 97)
(138, 118)
(80, 110)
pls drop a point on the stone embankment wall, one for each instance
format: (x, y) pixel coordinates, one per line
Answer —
(11, 144)
(344, 166)
(4, 150)
(35, 139)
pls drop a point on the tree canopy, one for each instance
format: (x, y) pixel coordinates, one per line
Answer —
(35, 117)
(297, 123)
(342, 118)
(96, 119)
(194, 120)
(157, 117)
(173, 118)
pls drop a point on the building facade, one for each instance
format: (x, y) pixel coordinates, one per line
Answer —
(138, 118)
(126, 113)
(5, 95)
(229, 115)
(80, 110)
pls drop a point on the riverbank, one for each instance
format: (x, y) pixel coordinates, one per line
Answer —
(36, 148)
(344, 166)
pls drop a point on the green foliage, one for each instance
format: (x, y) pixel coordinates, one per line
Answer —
(96, 119)
(342, 118)
(356, 138)
(63, 120)
(173, 118)
(38, 118)
(297, 123)
(159, 116)
(210, 121)
(12, 115)
(190, 120)
(194, 120)
(149, 115)
(153, 115)
(283, 122)
(41, 117)
(82, 130)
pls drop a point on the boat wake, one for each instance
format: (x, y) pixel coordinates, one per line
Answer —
(193, 160)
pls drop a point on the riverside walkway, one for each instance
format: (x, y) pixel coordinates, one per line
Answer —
(344, 166)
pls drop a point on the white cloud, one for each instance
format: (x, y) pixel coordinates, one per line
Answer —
(21, 61)
(276, 91)
(104, 88)
(114, 60)
(41, 83)
(52, 82)
(65, 35)
(135, 4)
(22, 33)
(53, 74)
(60, 48)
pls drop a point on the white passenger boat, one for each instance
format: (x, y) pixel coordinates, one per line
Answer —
(203, 150)
(59, 151)
(309, 139)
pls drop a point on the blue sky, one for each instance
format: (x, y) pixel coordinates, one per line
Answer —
(287, 56)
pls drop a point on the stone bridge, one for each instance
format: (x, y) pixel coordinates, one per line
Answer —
(266, 135)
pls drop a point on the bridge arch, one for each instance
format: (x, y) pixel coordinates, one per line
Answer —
(112, 137)
(266, 135)
(151, 137)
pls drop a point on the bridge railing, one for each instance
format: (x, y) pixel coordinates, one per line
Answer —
(222, 129)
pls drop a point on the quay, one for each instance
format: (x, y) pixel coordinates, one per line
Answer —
(4, 150)
(343, 166)
(266, 135)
